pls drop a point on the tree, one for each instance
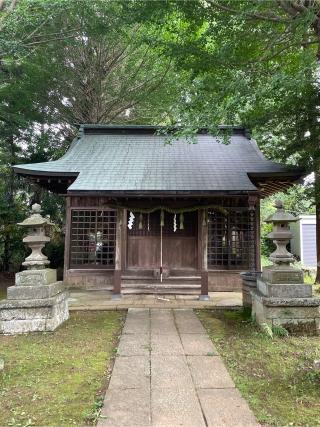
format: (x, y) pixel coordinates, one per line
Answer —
(103, 77)
(62, 63)
(251, 62)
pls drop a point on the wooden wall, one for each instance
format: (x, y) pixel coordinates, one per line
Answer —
(145, 252)
(89, 279)
(224, 281)
(178, 252)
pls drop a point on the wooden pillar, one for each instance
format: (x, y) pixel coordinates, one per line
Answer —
(258, 237)
(199, 241)
(118, 255)
(67, 238)
(124, 238)
(204, 285)
(203, 242)
(253, 249)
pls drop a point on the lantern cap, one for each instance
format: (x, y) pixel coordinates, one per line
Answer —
(36, 219)
(281, 215)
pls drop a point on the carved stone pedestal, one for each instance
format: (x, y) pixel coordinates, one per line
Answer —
(36, 305)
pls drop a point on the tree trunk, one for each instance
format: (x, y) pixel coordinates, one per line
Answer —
(6, 255)
(7, 246)
(317, 201)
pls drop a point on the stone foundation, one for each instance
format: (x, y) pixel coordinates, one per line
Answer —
(34, 304)
(297, 315)
(218, 280)
(40, 315)
(249, 283)
(280, 300)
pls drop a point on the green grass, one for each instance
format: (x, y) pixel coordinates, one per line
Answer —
(58, 379)
(275, 376)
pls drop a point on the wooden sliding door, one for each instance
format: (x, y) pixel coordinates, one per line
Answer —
(179, 241)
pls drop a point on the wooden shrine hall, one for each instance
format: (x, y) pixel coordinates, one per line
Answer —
(147, 216)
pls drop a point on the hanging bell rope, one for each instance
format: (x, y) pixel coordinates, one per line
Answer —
(161, 243)
(119, 215)
(140, 221)
(162, 218)
(181, 221)
(205, 217)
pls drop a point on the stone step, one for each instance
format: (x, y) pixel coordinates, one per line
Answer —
(161, 288)
(158, 291)
(173, 278)
(150, 273)
(162, 285)
(172, 281)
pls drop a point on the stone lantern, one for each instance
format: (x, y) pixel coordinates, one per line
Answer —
(37, 302)
(282, 297)
(281, 235)
(281, 271)
(37, 229)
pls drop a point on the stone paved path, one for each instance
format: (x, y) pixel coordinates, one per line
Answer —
(167, 374)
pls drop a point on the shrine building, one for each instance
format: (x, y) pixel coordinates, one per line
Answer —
(147, 216)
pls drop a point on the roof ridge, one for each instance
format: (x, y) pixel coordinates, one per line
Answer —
(137, 128)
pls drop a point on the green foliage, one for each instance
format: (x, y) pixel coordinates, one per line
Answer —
(314, 376)
(267, 330)
(254, 63)
(265, 261)
(241, 315)
(267, 246)
(194, 63)
(272, 331)
(93, 415)
(63, 63)
(298, 199)
(279, 331)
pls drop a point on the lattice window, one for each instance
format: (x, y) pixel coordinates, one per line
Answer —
(93, 238)
(230, 239)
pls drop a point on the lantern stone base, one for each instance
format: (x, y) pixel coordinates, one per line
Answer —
(36, 277)
(282, 274)
(284, 290)
(37, 305)
(298, 314)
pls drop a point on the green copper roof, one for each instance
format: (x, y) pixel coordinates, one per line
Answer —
(134, 158)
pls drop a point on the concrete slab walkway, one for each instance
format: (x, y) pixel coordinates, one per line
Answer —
(167, 374)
